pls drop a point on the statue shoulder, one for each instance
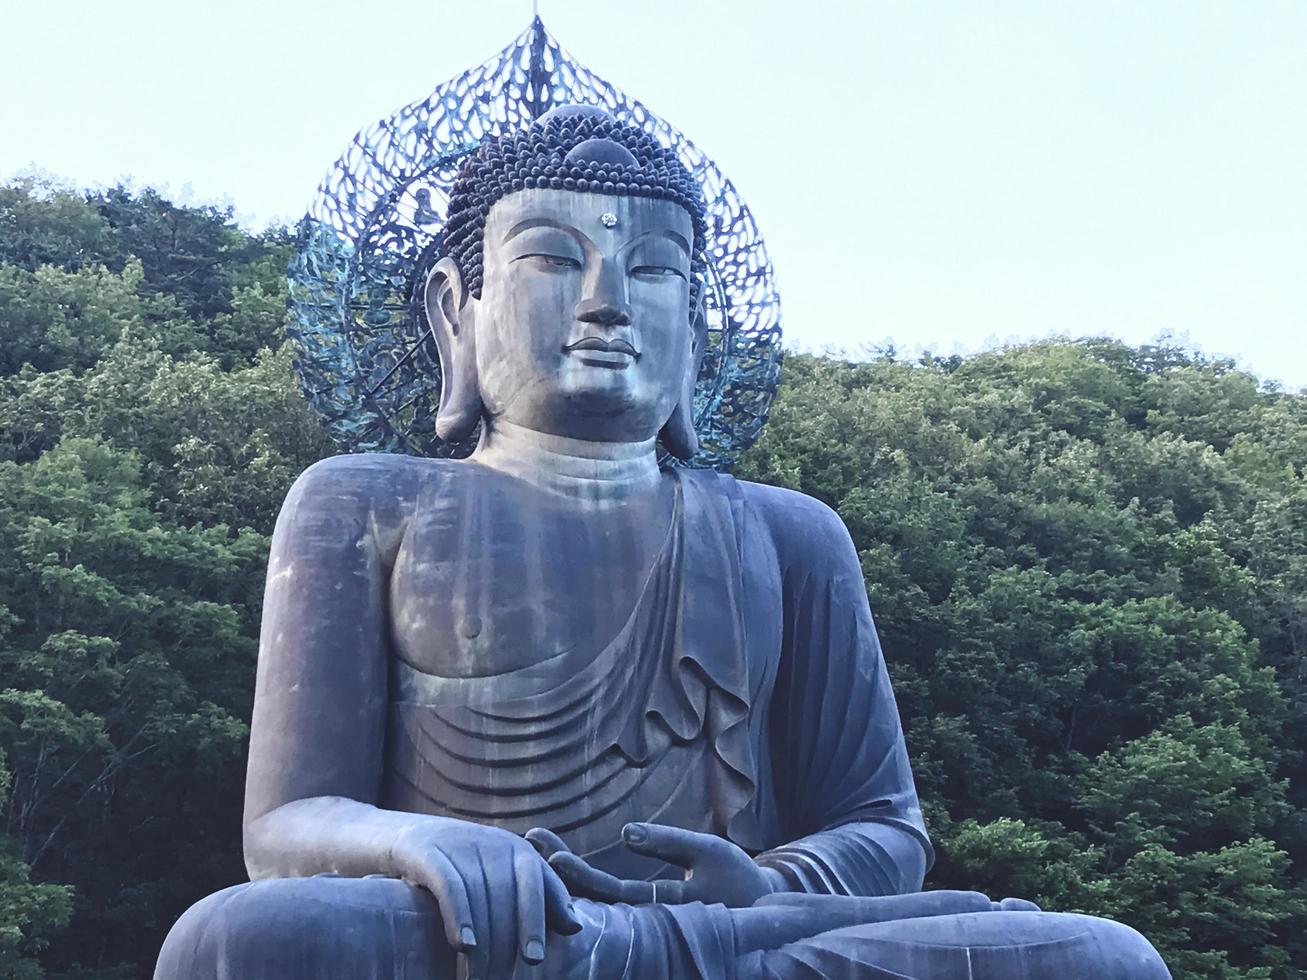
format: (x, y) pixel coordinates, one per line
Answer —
(805, 531)
(361, 477)
(789, 511)
(376, 491)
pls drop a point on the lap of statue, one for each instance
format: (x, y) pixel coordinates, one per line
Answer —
(332, 928)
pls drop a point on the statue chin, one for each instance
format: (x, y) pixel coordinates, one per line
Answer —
(583, 403)
(598, 403)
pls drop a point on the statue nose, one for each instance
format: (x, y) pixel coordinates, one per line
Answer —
(604, 312)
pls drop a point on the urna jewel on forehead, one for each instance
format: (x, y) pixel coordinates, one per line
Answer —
(575, 148)
(364, 357)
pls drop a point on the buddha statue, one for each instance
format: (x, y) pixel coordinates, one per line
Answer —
(559, 711)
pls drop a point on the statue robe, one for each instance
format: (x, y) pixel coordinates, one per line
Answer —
(745, 695)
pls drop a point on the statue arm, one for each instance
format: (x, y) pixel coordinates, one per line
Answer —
(317, 741)
(845, 786)
(317, 736)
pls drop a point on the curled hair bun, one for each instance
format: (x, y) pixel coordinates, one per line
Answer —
(580, 148)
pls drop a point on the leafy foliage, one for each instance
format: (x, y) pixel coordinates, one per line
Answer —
(1088, 563)
(151, 434)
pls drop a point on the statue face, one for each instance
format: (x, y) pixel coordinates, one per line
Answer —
(583, 326)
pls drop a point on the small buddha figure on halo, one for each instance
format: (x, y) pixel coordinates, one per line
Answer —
(555, 711)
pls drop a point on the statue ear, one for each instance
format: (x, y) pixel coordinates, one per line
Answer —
(678, 435)
(449, 315)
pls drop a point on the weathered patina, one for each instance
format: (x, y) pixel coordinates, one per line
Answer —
(557, 710)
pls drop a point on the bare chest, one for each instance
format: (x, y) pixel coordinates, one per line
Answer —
(490, 579)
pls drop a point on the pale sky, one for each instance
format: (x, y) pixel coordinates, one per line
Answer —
(946, 175)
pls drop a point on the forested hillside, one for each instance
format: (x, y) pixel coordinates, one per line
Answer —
(1088, 564)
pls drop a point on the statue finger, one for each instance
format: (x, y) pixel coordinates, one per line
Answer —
(1016, 905)
(447, 885)
(559, 911)
(669, 891)
(684, 848)
(529, 888)
(589, 882)
(546, 842)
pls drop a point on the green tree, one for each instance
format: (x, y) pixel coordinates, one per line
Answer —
(149, 445)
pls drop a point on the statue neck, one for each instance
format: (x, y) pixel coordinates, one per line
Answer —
(577, 468)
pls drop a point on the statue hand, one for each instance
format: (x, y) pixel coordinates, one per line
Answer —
(715, 869)
(481, 875)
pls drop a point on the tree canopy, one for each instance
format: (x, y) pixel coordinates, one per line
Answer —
(1088, 564)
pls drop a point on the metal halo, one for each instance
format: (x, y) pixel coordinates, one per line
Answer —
(364, 358)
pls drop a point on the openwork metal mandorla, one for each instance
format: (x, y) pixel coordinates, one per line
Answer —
(364, 357)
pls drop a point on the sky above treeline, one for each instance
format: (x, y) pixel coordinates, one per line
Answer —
(947, 176)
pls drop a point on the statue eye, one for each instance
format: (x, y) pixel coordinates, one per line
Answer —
(657, 271)
(550, 261)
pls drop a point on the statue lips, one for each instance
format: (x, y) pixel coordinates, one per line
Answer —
(616, 353)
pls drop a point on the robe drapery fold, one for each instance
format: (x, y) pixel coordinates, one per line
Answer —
(653, 726)
(743, 696)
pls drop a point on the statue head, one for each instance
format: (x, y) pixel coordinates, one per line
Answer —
(568, 294)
